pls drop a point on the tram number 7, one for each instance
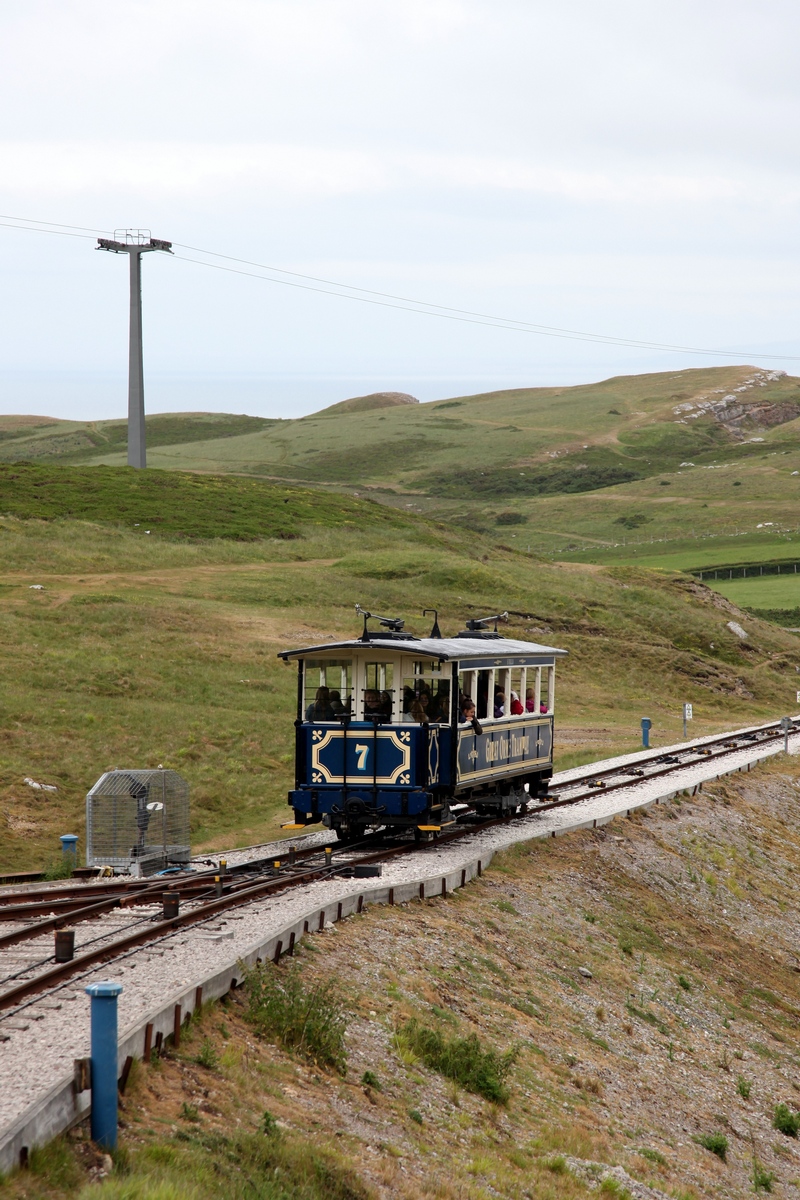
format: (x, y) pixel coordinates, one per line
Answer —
(362, 752)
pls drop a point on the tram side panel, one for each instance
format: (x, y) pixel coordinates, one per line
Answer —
(392, 771)
(516, 749)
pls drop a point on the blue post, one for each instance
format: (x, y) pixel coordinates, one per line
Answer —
(646, 723)
(69, 845)
(104, 1063)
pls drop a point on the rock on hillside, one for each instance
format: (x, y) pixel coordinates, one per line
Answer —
(373, 400)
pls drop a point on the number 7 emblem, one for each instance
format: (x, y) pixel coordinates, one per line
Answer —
(362, 752)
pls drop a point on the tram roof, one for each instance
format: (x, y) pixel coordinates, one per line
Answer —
(487, 649)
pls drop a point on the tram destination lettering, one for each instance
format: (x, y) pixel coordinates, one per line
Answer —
(512, 745)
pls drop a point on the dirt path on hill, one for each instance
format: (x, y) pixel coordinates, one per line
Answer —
(159, 574)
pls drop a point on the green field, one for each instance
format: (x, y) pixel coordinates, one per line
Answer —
(140, 650)
(773, 591)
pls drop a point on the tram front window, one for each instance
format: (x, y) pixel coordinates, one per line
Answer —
(327, 689)
(426, 695)
(377, 697)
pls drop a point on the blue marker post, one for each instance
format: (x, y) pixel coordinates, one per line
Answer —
(104, 1063)
(69, 846)
(646, 723)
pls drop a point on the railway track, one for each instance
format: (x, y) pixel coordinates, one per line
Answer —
(115, 918)
(244, 884)
(659, 763)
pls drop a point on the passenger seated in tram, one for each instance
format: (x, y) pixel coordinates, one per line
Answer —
(499, 704)
(320, 708)
(439, 706)
(467, 710)
(418, 710)
(372, 705)
(530, 700)
(336, 704)
(516, 705)
(386, 705)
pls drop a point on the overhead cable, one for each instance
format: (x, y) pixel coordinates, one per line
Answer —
(347, 291)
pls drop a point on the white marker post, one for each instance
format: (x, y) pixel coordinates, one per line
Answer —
(786, 725)
(687, 716)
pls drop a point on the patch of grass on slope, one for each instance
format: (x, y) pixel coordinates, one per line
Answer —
(511, 481)
(75, 442)
(178, 503)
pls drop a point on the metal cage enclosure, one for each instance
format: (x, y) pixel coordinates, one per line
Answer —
(138, 821)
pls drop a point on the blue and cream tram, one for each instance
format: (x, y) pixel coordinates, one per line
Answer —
(393, 729)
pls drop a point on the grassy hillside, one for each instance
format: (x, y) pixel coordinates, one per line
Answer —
(180, 504)
(141, 650)
(674, 467)
(533, 441)
(44, 438)
(663, 1069)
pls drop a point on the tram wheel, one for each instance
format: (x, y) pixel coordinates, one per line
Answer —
(354, 834)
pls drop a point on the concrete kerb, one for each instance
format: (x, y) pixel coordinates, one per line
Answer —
(63, 1106)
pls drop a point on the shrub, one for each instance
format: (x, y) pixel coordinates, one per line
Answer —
(612, 1187)
(684, 983)
(557, 1165)
(762, 1179)
(415, 1115)
(510, 518)
(717, 1143)
(633, 520)
(269, 1124)
(653, 1156)
(60, 868)
(462, 1059)
(785, 1121)
(743, 1087)
(208, 1056)
(370, 1079)
(311, 1021)
(189, 1112)
(55, 1165)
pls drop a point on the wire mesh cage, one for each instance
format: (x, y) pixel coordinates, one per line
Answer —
(138, 821)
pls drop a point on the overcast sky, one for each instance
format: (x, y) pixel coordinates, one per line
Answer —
(626, 168)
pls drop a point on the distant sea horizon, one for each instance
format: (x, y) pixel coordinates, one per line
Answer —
(102, 395)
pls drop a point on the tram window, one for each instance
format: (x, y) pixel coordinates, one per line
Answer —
(484, 687)
(516, 688)
(466, 689)
(548, 689)
(533, 683)
(327, 688)
(426, 697)
(378, 695)
(502, 693)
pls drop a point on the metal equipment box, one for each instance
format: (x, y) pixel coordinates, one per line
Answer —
(137, 822)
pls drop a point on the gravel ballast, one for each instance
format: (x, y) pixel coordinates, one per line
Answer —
(46, 1036)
